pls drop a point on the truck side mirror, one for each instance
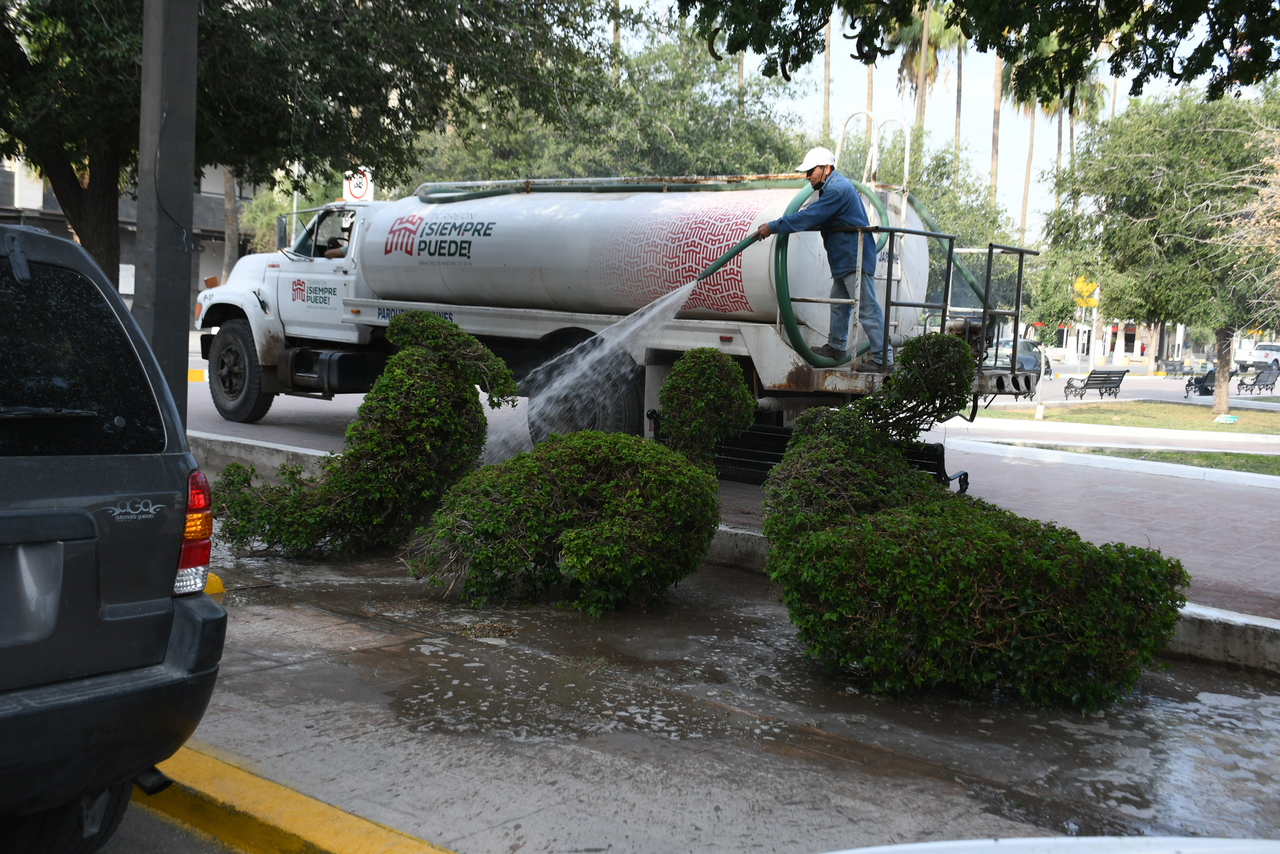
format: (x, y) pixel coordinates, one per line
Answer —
(282, 233)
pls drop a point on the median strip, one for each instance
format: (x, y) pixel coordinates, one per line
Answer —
(261, 817)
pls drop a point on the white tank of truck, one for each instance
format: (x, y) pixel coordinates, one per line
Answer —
(607, 253)
(532, 270)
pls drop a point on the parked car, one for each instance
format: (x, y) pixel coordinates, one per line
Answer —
(109, 647)
(1264, 355)
(1031, 356)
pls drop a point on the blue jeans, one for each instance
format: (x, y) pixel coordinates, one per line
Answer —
(869, 313)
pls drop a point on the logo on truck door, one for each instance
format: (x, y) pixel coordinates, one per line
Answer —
(314, 296)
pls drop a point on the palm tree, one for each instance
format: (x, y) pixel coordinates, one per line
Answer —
(1030, 106)
(921, 42)
(962, 44)
(995, 128)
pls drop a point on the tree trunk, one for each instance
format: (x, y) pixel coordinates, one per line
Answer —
(92, 205)
(995, 133)
(1026, 181)
(826, 86)
(1222, 385)
(1071, 151)
(1057, 170)
(922, 67)
(231, 251)
(959, 74)
(871, 93)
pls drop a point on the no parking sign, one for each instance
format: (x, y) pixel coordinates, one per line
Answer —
(358, 186)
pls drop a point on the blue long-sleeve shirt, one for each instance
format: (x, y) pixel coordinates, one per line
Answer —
(838, 203)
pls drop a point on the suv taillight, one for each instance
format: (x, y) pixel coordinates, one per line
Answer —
(193, 562)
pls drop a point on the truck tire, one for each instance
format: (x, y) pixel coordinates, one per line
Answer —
(60, 830)
(235, 377)
(609, 399)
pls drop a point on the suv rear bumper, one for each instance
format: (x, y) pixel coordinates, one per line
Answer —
(59, 741)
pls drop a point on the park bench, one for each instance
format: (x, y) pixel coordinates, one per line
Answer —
(1172, 367)
(1264, 380)
(1101, 381)
(931, 458)
(1204, 384)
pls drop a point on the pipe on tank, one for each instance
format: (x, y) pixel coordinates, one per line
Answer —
(777, 404)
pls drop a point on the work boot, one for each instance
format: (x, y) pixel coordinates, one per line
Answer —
(829, 352)
(874, 368)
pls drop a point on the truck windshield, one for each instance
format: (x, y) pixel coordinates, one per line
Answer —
(329, 230)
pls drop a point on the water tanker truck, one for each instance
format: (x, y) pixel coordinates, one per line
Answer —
(533, 269)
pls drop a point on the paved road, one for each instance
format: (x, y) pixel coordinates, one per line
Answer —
(145, 831)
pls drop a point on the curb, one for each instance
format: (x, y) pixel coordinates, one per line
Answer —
(214, 452)
(261, 817)
(1102, 461)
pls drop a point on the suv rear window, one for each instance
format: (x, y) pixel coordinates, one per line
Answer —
(71, 382)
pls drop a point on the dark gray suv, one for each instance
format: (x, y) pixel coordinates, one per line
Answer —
(109, 647)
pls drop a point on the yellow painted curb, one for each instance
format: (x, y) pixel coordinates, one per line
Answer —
(194, 376)
(214, 587)
(261, 817)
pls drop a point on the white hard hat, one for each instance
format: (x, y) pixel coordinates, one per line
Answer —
(817, 157)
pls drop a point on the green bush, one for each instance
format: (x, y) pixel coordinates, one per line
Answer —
(932, 380)
(957, 593)
(611, 518)
(420, 428)
(837, 467)
(705, 400)
(886, 572)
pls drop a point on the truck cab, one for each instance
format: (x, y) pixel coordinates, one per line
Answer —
(279, 319)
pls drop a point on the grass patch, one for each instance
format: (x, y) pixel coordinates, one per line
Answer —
(1254, 463)
(1168, 416)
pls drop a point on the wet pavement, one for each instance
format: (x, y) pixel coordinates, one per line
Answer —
(696, 727)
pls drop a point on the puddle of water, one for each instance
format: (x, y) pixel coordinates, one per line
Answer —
(1193, 751)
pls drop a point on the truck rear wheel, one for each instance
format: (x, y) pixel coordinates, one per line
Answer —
(608, 398)
(235, 377)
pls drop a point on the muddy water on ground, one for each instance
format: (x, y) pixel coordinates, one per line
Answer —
(1195, 750)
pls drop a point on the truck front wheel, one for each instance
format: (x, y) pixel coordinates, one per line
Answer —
(235, 377)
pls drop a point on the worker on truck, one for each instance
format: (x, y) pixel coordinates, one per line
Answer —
(839, 204)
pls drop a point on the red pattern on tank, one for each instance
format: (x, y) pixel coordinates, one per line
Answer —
(678, 245)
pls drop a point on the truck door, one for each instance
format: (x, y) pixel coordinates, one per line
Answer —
(311, 291)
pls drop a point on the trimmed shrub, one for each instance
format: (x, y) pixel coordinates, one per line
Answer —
(611, 518)
(957, 593)
(838, 467)
(886, 572)
(705, 400)
(419, 429)
(932, 381)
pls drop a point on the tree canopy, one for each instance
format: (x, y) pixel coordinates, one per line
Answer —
(1231, 42)
(674, 110)
(1159, 190)
(322, 83)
